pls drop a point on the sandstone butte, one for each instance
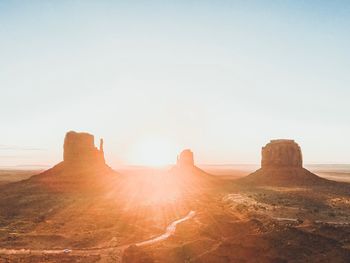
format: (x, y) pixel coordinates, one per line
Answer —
(282, 164)
(79, 151)
(185, 159)
(188, 174)
(83, 164)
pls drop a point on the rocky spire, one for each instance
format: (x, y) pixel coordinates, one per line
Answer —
(101, 145)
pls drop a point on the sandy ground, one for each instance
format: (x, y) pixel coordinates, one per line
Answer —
(230, 222)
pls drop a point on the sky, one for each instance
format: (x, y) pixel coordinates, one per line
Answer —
(155, 77)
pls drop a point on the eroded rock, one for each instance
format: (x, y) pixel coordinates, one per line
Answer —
(185, 158)
(281, 154)
(282, 164)
(79, 150)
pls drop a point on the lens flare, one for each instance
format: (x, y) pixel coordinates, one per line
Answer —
(154, 152)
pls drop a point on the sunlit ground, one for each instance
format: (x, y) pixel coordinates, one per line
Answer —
(139, 204)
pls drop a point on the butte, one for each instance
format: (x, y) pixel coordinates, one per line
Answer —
(83, 165)
(282, 164)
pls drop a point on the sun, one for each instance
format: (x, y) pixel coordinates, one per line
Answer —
(153, 152)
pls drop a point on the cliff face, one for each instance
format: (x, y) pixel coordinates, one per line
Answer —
(79, 150)
(281, 154)
(185, 159)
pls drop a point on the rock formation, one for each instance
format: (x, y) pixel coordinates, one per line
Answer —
(188, 173)
(282, 164)
(83, 164)
(185, 159)
(79, 150)
(281, 153)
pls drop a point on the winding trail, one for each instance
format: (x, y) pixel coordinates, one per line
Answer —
(170, 230)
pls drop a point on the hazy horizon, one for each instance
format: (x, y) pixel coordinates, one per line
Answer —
(154, 78)
(247, 167)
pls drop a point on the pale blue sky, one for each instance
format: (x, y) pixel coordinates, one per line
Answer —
(220, 77)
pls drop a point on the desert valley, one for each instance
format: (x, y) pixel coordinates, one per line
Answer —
(81, 210)
(174, 131)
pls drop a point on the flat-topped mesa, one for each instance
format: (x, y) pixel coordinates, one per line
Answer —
(281, 154)
(185, 159)
(79, 150)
